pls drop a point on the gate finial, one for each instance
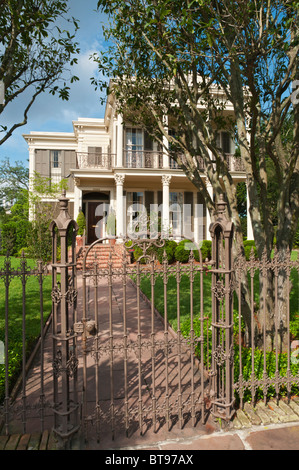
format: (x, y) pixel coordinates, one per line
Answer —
(221, 205)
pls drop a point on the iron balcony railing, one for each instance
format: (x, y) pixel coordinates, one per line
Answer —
(104, 161)
(144, 159)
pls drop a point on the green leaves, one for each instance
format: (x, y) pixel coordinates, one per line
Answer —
(35, 53)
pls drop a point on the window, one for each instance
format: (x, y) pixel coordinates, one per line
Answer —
(226, 142)
(139, 150)
(223, 141)
(134, 148)
(176, 213)
(55, 159)
(136, 215)
(55, 156)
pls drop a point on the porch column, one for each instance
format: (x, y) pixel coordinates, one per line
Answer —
(120, 209)
(196, 220)
(165, 202)
(31, 176)
(77, 198)
(120, 142)
(165, 145)
(249, 224)
(208, 217)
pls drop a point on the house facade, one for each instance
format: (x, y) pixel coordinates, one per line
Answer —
(114, 167)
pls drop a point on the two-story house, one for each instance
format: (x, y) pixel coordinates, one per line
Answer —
(113, 166)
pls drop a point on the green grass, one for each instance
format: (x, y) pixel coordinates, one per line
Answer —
(15, 317)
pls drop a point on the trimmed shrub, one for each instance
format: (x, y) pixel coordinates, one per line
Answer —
(206, 249)
(81, 222)
(247, 250)
(182, 251)
(14, 236)
(169, 247)
(249, 243)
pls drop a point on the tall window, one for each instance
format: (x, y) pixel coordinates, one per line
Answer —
(224, 141)
(134, 148)
(55, 158)
(139, 149)
(136, 215)
(176, 213)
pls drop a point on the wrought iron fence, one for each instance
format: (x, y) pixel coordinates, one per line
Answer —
(148, 343)
(24, 320)
(266, 326)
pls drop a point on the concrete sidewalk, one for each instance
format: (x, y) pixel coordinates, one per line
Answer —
(272, 437)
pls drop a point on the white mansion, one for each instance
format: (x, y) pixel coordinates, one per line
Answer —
(111, 166)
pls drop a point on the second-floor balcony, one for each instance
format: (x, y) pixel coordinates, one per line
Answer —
(143, 159)
(90, 160)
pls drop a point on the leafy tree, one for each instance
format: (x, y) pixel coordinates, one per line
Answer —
(35, 52)
(17, 232)
(39, 238)
(14, 181)
(184, 60)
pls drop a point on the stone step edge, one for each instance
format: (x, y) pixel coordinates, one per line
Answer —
(271, 413)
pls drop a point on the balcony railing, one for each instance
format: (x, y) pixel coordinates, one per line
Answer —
(142, 159)
(104, 161)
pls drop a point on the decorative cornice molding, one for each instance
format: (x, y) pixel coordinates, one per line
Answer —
(166, 180)
(119, 179)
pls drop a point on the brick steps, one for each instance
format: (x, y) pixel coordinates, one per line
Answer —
(104, 254)
(35, 441)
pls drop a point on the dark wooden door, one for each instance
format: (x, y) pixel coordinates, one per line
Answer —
(93, 222)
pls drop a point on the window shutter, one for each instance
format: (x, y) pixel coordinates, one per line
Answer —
(42, 163)
(149, 199)
(68, 163)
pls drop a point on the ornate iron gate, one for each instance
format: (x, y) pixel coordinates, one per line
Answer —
(146, 357)
(132, 357)
(149, 353)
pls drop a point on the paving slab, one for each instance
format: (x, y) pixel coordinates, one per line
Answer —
(225, 442)
(279, 438)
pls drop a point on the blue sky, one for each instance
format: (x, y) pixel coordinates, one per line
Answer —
(51, 113)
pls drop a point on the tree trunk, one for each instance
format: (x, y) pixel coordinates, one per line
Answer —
(273, 317)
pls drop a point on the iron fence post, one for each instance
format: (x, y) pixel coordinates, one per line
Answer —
(64, 294)
(222, 374)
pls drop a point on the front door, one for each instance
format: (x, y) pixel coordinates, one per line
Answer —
(95, 222)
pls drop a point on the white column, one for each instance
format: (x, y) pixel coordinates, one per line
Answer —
(208, 217)
(165, 144)
(31, 176)
(196, 219)
(249, 224)
(165, 202)
(120, 142)
(77, 198)
(120, 209)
